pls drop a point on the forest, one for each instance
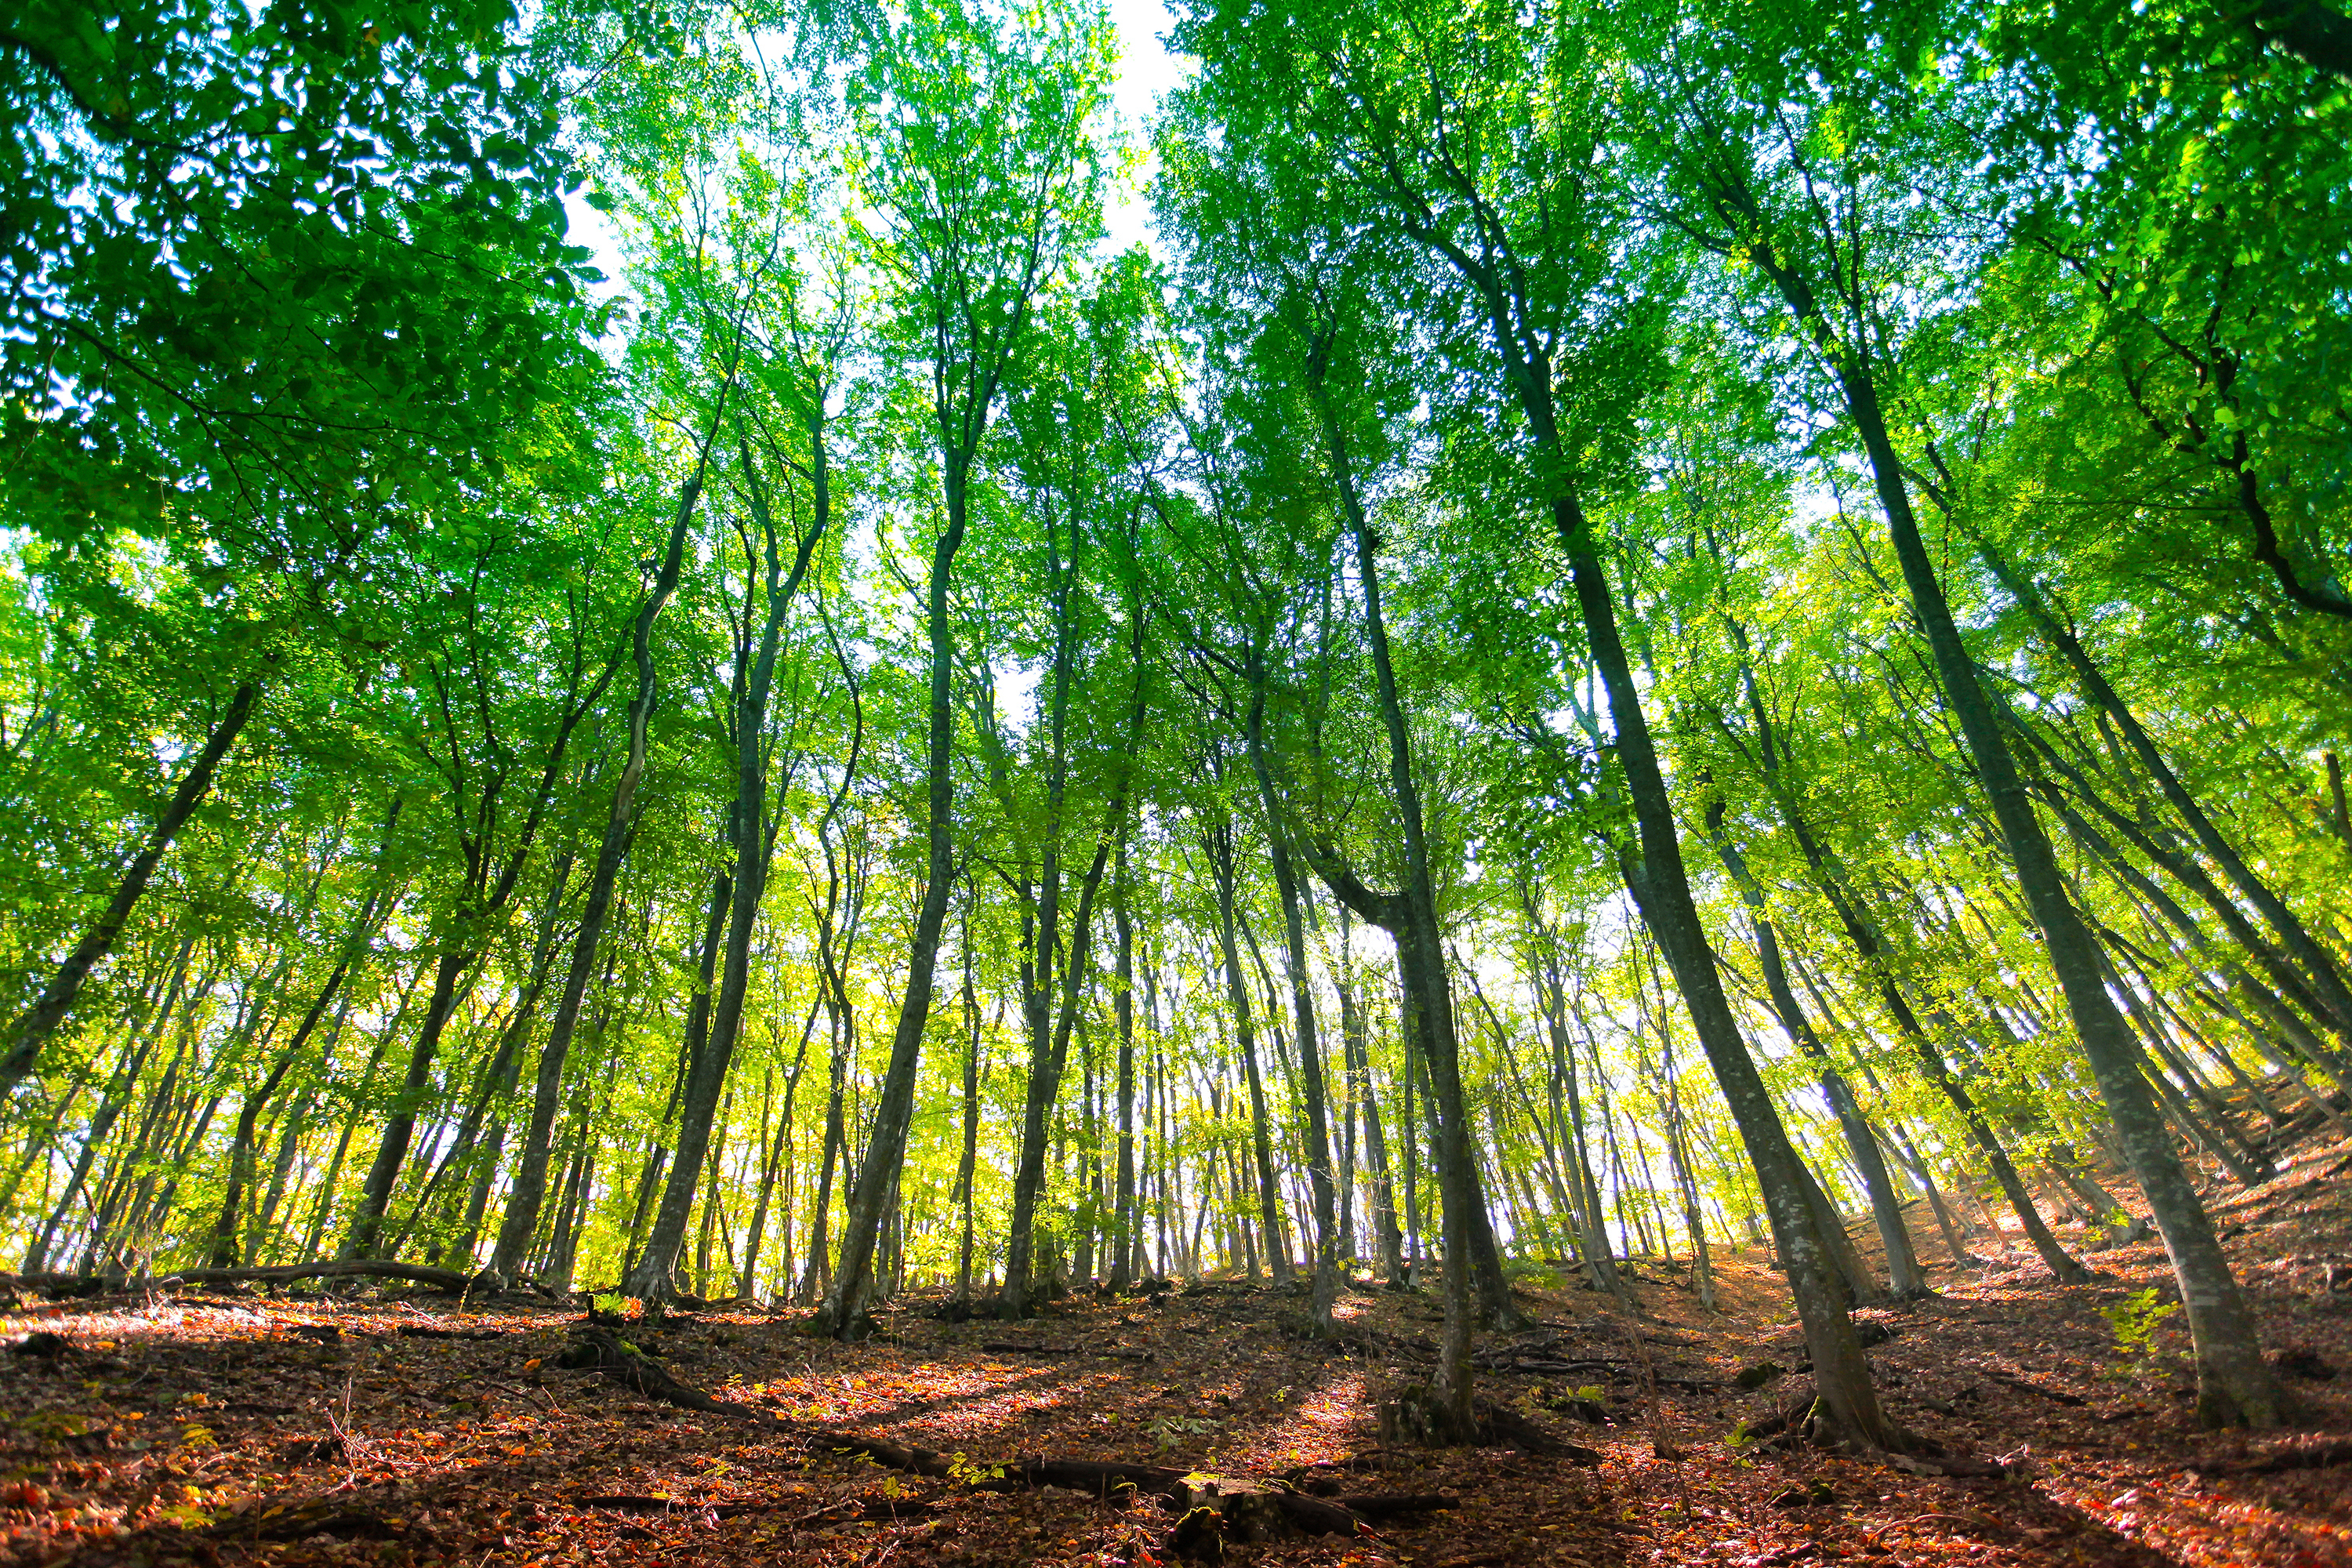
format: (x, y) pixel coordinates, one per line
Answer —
(1093, 837)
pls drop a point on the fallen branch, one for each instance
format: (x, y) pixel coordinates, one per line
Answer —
(867, 1510)
(278, 1520)
(1211, 1509)
(1500, 1426)
(631, 1503)
(447, 1280)
(2309, 1457)
(600, 1350)
(2012, 1381)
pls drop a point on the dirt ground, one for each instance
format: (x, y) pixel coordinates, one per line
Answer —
(310, 1429)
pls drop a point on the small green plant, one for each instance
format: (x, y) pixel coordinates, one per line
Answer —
(966, 1471)
(1532, 1274)
(1169, 1431)
(2135, 1320)
(47, 1426)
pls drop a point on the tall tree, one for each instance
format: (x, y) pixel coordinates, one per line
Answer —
(984, 181)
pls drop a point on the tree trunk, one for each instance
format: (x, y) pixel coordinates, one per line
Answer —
(1356, 1043)
(1310, 1052)
(57, 999)
(968, 1160)
(1656, 878)
(528, 1190)
(652, 1277)
(2234, 1386)
(400, 1129)
(1217, 842)
(225, 1250)
(1863, 933)
(2320, 971)
(1906, 1281)
(698, 1032)
(1124, 1222)
(886, 1149)
(1420, 964)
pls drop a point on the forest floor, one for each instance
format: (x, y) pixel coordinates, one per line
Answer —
(293, 1429)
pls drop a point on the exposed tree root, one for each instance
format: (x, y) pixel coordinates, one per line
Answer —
(1210, 1509)
(1802, 1420)
(1414, 1417)
(2056, 1395)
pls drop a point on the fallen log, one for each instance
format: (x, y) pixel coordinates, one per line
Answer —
(2306, 1457)
(601, 1350)
(1214, 1511)
(446, 1279)
(1211, 1510)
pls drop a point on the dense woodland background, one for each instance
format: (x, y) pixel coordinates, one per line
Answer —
(895, 744)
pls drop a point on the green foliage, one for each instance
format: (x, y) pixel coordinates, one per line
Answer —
(968, 1472)
(311, 384)
(2135, 1320)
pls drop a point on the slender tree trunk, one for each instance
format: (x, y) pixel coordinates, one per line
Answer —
(57, 999)
(1310, 1052)
(399, 1130)
(290, 1143)
(528, 1190)
(1551, 988)
(2319, 968)
(853, 1287)
(1356, 1043)
(1052, 982)
(225, 1251)
(1218, 844)
(698, 1032)
(1420, 963)
(1861, 932)
(1124, 1221)
(1907, 1279)
(2234, 1386)
(968, 1160)
(1656, 878)
(816, 1269)
(651, 1277)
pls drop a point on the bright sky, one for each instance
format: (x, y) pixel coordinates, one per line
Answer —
(1146, 71)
